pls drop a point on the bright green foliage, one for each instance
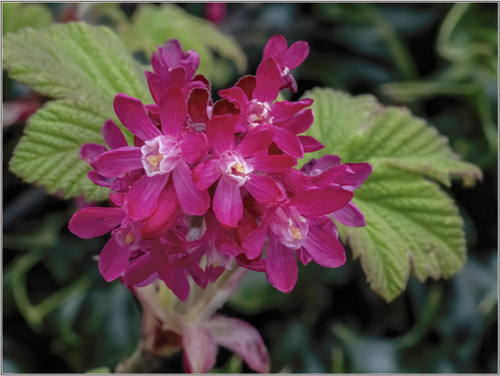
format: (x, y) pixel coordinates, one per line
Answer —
(83, 67)
(397, 138)
(153, 25)
(15, 16)
(48, 153)
(412, 225)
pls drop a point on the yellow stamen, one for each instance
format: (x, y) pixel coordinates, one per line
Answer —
(129, 238)
(239, 167)
(154, 160)
(295, 232)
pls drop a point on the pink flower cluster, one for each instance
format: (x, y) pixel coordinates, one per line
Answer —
(208, 184)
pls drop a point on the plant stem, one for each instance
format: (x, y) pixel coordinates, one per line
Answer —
(428, 313)
(140, 361)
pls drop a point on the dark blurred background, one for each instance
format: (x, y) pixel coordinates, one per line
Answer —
(440, 60)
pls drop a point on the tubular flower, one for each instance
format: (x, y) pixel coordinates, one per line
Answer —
(196, 329)
(287, 59)
(209, 185)
(254, 97)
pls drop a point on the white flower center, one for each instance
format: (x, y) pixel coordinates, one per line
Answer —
(160, 155)
(258, 113)
(235, 167)
(290, 227)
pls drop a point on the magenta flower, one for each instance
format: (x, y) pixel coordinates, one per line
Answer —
(94, 221)
(163, 153)
(301, 225)
(215, 12)
(287, 59)
(197, 330)
(207, 185)
(114, 138)
(174, 68)
(286, 119)
(328, 170)
(239, 166)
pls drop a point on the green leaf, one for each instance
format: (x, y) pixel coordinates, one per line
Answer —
(48, 153)
(74, 61)
(358, 129)
(412, 225)
(397, 138)
(153, 25)
(15, 16)
(84, 67)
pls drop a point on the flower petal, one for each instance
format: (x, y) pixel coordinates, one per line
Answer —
(316, 167)
(281, 266)
(95, 221)
(254, 242)
(304, 257)
(227, 203)
(199, 348)
(350, 216)
(310, 144)
(350, 175)
(288, 142)
(247, 84)
(220, 132)
(113, 260)
(257, 139)
(223, 107)
(358, 173)
(275, 46)
(138, 270)
(258, 265)
(99, 180)
(320, 201)
(173, 111)
(131, 113)
(169, 55)
(284, 110)
(296, 54)
(164, 215)
(197, 105)
(112, 135)
(268, 81)
(298, 123)
(118, 161)
(155, 84)
(243, 339)
(174, 278)
(194, 147)
(236, 95)
(264, 188)
(206, 173)
(142, 197)
(88, 152)
(323, 245)
(177, 77)
(192, 200)
(272, 163)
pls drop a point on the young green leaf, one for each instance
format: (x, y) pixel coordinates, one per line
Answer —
(85, 67)
(397, 138)
(15, 16)
(412, 225)
(48, 154)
